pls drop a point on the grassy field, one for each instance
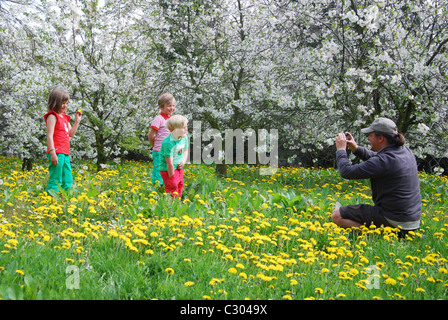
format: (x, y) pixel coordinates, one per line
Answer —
(114, 236)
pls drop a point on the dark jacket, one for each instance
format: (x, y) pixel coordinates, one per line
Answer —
(393, 177)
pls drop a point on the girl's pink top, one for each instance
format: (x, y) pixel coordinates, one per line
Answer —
(162, 131)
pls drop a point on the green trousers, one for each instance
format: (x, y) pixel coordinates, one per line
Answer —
(60, 174)
(156, 177)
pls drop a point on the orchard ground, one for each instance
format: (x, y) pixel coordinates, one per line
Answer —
(248, 236)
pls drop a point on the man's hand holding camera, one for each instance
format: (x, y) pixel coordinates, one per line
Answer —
(344, 140)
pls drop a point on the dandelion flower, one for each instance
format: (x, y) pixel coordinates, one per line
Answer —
(390, 281)
(233, 271)
(20, 272)
(214, 281)
(353, 272)
(169, 270)
(422, 271)
(319, 290)
(364, 260)
(189, 283)
(13, 242)
(420, 290)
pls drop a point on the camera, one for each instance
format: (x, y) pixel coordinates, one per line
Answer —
(347, 137)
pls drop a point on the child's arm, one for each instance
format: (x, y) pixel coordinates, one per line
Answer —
(72, 130)
(51, 122)
(152, 136)
(184, 160)
(169, 166)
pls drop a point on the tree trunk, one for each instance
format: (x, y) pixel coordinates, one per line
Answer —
(27, 164)
(221, 170)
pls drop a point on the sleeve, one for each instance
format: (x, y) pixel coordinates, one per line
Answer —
(50, 112)
(364, 154)
(371, 168)
(167, 149)
(155, 124)
(187, 142)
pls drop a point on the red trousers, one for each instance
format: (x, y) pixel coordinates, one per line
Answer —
(175, 184)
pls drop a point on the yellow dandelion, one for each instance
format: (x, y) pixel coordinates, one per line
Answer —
(169, 270)
(420, 290)
(422, 271)
(13, 242)
(232, 271)
(189, 284)
(364, 260)
(390, 281)
(20, 272)
(353, 272)
(214, 281)
(319, 290)
(443, 270)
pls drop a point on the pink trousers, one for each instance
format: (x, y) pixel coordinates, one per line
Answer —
(175, 184)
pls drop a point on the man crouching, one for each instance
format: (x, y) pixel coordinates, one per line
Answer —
(392, 170)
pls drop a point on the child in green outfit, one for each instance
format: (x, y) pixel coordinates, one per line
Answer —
(173, 155)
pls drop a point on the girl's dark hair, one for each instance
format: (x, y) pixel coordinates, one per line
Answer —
(56, 98)
(393, 139)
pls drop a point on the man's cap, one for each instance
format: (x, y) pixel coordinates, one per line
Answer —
(383, 125)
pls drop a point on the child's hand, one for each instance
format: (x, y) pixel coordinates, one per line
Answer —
(54, 159)
(78, 115)
(180, 166)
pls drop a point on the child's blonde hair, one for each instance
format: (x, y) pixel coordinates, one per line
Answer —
(164, 98)
(56, 98)
(175, 122)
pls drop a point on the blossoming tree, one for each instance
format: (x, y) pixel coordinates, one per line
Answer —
(308, 68)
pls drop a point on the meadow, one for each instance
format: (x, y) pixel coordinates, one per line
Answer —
(247, 236)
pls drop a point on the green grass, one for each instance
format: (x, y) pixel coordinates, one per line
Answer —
(114, 236)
